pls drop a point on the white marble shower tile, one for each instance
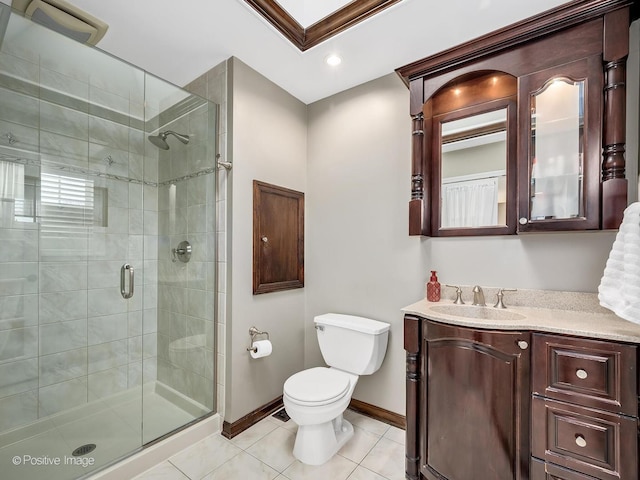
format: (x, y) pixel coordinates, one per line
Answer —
(16, 70)
(18, 108)
(18, 311)
(18, 377)
(118, 220)
(18, 245)
(107, 328)
(62, 396)
(108, 382)
(62, 366)
(105, 132)
(18, 344)
(62, 306)
(103, 273)
(62, 336)
(64, 84)
(108, 355)
(197, 190)
(63, 121)
(62, 150)
(18, 409)
(106, 301)
(58, 276)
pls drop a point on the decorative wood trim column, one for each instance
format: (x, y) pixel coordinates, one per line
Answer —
(417, 175)
(412, 343)
(614, 182)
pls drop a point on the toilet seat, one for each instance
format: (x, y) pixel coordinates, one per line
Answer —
(317, 386)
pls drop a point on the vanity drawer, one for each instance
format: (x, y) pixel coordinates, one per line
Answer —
(592, 373)
(601, 444)
(548, 471)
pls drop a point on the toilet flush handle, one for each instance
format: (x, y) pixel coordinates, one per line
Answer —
(320, 327)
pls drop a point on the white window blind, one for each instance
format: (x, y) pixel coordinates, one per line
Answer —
(66, 204)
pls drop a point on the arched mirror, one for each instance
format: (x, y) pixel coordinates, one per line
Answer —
(473, 152)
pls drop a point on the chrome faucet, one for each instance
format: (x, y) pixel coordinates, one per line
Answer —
(478, 296)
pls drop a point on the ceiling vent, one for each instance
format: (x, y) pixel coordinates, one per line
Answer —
(64, 18)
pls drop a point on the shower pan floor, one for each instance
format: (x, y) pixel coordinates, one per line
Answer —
(44, 449)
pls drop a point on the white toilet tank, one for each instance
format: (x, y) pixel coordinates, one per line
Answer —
(352, 344)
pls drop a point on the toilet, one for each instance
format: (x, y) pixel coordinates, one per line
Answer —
(317, 397)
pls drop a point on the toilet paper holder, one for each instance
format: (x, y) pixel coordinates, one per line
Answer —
(254, 332)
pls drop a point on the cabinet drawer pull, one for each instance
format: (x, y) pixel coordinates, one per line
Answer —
(581, 374)
(580, 441)
(523, 345)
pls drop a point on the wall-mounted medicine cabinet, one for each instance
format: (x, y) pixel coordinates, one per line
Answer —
(523, 130)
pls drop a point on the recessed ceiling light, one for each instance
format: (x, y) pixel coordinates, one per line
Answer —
(333, 60)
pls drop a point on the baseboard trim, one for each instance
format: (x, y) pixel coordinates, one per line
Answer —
(230, 430)
(378, 413)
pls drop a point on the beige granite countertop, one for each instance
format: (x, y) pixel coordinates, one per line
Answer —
(569, 313)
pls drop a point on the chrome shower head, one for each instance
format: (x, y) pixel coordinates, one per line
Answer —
(160, 140)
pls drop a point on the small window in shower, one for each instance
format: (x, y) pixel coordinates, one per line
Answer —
(69, 204)
(26, 206)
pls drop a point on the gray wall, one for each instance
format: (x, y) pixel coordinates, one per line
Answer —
(268, 136)
(350, 154)
(360, 259)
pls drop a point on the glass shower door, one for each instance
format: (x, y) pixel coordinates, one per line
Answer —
(72, 173)
(107, 265)
(181, 131)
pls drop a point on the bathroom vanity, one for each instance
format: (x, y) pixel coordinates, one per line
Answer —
(522, 393)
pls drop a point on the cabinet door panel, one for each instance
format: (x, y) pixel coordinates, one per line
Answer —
(477, 396)
(590, 441)
(559, 180)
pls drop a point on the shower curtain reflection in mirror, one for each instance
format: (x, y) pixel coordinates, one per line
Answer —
(11, 190)
(470, 203)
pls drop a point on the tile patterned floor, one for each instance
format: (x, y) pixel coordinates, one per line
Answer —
(264, 452)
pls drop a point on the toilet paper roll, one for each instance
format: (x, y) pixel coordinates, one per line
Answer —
(261, 348)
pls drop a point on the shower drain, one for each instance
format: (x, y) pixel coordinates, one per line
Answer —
(84, 449)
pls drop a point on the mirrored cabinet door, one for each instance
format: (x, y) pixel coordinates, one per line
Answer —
(559, 188)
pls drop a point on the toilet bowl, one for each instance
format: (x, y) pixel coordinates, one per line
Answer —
(316, 398)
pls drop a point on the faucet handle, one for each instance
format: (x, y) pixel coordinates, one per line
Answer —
(500, 296)
(458, 300)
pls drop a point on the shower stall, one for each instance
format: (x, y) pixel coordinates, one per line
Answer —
(107, 255)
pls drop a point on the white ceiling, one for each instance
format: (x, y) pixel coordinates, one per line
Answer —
(180, 40)
(308, 12)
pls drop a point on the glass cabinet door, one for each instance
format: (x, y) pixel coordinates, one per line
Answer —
(559, 188)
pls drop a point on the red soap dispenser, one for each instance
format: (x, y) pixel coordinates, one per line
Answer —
(433, 288)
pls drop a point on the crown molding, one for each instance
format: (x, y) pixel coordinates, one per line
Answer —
(305, 38)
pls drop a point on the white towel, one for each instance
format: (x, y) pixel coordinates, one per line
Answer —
(619, 289)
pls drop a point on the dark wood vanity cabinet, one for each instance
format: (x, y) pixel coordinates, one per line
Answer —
(500, 405)
(549, 182)
(584, 410)
(471, 400)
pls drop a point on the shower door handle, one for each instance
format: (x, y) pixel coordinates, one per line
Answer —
(126, 293)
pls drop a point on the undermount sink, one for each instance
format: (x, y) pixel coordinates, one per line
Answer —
(471, 311)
